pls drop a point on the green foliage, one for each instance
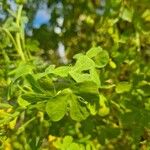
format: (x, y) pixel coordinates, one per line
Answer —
(99, 99)
(57, 107)
(123, 87)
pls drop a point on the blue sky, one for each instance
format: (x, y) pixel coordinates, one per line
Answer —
(42, 17)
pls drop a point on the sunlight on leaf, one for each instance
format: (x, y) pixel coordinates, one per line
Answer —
(123, 87)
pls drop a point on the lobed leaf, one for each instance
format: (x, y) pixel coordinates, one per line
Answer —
(57, 107)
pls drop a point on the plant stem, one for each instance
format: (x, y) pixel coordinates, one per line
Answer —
(18, 36)
(10, 36)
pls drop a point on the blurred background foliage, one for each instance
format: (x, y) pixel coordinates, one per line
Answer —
(56, 30)
(78, 25)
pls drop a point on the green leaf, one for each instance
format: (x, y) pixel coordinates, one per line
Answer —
(73, 146)
(66, 144)
(91, 75)
(22, 102)
(67, 141)
(5, 105)
(146, 15)
(77, 56)
(87, 87)
(84, 70)
(93, 51)
(50, 69)
(84, 63)
(62, 71)
(107, 86)
(77, 112)
(102, 100)
(33, 83)
(57, 106)
(80, 77)
(34, 98)
(6, 117)
(123, 87)
(101, 59)
(88, 91)
(95, 76)
(127, 14)
(47, 85)
(104, 109)
(92, 108)
(22, 69)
